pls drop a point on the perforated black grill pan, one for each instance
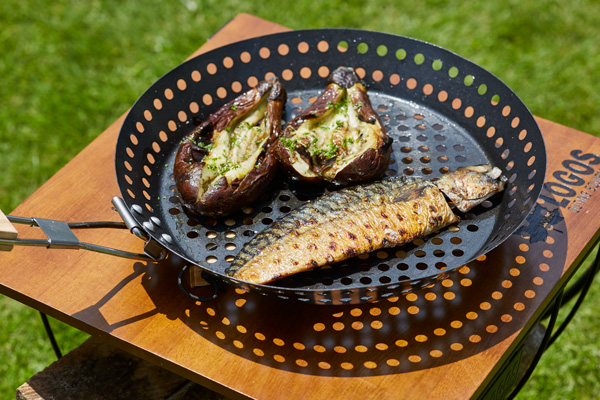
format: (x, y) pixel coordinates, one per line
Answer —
(442, 111)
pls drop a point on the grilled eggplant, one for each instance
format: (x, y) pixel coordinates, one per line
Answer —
(354, 221)
(339, 138)
(229, 160)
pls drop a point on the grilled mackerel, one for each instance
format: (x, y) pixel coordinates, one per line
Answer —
(359, 220)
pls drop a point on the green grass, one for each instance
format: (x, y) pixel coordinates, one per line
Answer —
(68, 69)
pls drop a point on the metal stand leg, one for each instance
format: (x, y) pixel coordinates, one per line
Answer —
(543, 347)
(581, 288)
(51, 335)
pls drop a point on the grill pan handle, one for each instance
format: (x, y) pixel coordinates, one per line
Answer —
(60, 236)
(7, 232)
(209, 280)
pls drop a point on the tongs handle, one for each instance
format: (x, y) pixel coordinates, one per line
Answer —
(60, 236)
(7, 231)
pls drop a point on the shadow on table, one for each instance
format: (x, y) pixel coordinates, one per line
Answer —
(475, 308)
(94, 313)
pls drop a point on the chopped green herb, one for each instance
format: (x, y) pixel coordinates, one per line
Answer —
(207, 147)
(234, 141)
(290, 143)
(347, 141)
(337, 105)
(222, 168)
(327, 152)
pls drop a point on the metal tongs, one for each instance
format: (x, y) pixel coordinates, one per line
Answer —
(60, 235)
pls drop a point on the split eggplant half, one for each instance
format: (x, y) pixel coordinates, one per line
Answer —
(228, 161)
(339, 138)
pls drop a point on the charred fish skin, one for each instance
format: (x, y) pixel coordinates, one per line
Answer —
(342, 225)
(470, 186)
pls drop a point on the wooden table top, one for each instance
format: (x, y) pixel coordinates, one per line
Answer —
(447, 341)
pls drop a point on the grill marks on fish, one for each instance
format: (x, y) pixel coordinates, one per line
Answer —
(342, 225)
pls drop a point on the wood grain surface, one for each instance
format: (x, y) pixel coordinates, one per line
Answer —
(447, 341)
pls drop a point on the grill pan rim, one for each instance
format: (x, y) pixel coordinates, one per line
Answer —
(357, 35)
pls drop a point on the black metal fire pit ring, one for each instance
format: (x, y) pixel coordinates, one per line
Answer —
(442, 110)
